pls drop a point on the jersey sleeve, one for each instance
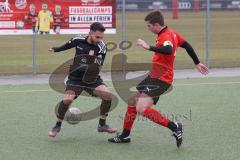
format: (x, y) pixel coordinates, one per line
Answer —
(102, 51)
(164, 41)
(70, 44)
(180, 39)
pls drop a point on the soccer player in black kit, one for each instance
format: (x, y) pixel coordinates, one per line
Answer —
(92, 46)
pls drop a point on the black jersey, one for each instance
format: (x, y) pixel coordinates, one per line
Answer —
(82, 60)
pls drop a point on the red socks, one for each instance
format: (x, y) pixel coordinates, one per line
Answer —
(129, 118)
(150, 113)
(156, 117)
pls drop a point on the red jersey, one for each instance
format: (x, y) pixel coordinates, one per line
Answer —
(162, 64)
(58, 19)
(32, 18)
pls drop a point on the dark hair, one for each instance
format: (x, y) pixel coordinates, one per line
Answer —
(96, 26)
(155, 17)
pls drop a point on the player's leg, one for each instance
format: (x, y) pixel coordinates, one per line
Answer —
(71, 93)
(150, 90)
(54, 28)
(131, 114)
(104, 93)
(129, 119)
(58, 29)
(62, 108)
(143, 107)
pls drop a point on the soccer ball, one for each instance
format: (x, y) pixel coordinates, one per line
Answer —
(73, 115)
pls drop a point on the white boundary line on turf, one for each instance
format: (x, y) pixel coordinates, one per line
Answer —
(213, 83)
(179, 74)
(190, 84)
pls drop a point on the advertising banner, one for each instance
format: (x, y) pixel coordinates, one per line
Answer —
(55, 16)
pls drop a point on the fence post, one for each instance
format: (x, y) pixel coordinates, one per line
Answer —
(34, 48)
(208, 35)
(123, 33)
(196, 6)
(175, 9)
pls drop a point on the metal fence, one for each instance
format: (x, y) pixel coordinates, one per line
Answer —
(210, 26)
(212, 30)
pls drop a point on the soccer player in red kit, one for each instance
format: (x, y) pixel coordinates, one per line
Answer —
(58, 19)
(31, 17)
(159, 79)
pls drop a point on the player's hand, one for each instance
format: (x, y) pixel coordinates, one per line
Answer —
(51, 50)
(26, 17)
(36, 29)
(202, 68)
(143, 44)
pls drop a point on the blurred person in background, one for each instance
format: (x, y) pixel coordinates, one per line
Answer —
(44, 20)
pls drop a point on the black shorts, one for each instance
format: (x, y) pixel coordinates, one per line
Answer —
(43, 32)
(153, 87)
(78, 86)
(55, 26)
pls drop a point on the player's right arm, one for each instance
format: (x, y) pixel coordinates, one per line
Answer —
(70, 44)
(166, 48)
(37, 26)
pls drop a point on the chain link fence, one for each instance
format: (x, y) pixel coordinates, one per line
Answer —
(221, 51)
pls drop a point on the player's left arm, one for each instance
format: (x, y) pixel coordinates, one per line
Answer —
(103, 50)
(189, 49)
(38, 20)
(37, 24)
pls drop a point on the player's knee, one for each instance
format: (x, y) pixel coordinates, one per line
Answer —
(132, 101)
(107, 96)
(141, 109)
(142, 106)
(68, 101)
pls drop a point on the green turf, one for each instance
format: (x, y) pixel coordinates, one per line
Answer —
(16, 51)
(209, 109)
